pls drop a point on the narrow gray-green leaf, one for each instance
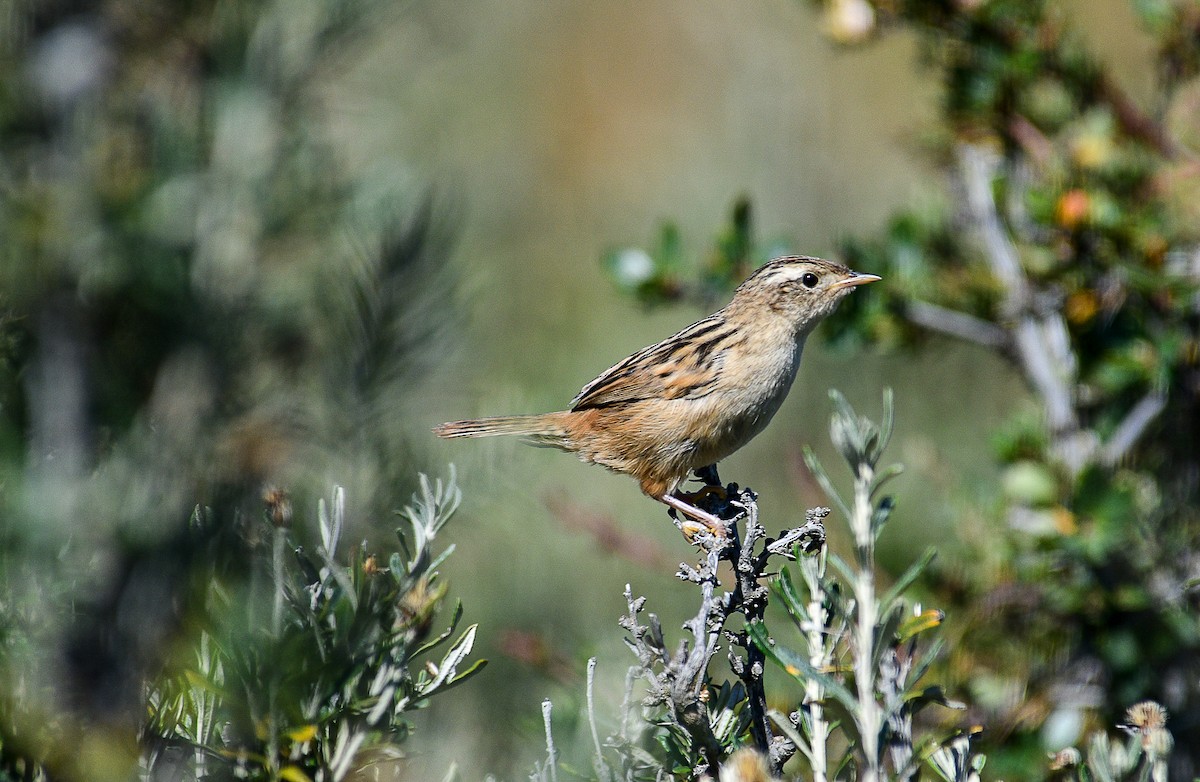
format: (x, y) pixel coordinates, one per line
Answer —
(889, 419)
(797, 665)
(906, 580)
(814, 466)
(885, 475)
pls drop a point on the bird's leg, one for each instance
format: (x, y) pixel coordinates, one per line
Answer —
(714, 525)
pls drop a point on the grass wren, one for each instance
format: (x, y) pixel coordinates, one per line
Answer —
(689, 401)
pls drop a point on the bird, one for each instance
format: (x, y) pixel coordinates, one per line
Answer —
(683, 404)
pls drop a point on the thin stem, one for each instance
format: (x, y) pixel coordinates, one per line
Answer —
(551, 752)
(1133, 426)
(602, 772)
(277, 572)
(817, 631)
(870, 716)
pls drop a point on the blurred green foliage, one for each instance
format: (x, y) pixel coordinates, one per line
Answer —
(1068, 243)
(198, 301)
(663, 273)
(307, 670)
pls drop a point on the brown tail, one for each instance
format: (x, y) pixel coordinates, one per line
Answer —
(544, 429)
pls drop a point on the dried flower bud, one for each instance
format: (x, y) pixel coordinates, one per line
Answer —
(1145, 716)
(417, 605)
(746, 765)
(1065, 758)
(278, 505)
(1148, 721)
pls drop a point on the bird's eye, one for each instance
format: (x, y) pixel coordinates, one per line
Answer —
(809, 279)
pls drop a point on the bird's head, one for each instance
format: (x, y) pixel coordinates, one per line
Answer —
(801, 289)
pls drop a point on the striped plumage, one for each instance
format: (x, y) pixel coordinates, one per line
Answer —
(697, 396)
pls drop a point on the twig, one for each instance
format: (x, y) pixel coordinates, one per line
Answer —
(957, 324)
(819, 634)
(602, 772)
(1032, 140)
(1134, 121)
(1041, 339)
(680, 680)
(677, 680)
(1134, 425)
(894, 670)
(551, 752)
(750, 598)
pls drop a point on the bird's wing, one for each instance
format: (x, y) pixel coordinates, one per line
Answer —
(685, 365)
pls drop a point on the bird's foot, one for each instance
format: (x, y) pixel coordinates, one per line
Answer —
(703, 493)
(696, 520)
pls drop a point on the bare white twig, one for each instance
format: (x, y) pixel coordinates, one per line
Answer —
(551, 752)
(957, 324)
(1134, 425)
(602, 772)
(1040, 338)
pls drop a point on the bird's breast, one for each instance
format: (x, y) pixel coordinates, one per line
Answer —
(752, 391)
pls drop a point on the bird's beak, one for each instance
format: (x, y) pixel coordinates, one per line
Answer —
(857, 279)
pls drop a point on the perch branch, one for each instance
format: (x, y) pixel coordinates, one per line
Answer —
(679, 680)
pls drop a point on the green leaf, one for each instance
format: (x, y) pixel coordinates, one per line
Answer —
(928, 657)
(795, 602)
(889, 420)
(798, 666)
(814, 466)
(440, 558)
(293, 774)
(670, 247)
(885, 475)
(396, 566)
(460, 677)
(933, 694)
(425, 647)
(884, 634)
(447, 669)
(906, 580)
(858, 439)
(843, 568)
(846, 431)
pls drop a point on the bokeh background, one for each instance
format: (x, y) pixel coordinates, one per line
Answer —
(573, 129)
(196, 194)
